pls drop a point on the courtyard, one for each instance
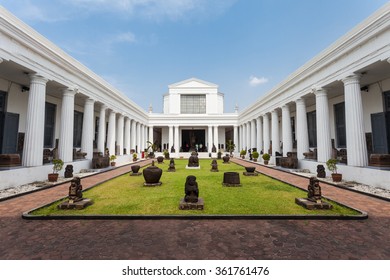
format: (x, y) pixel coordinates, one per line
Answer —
(195, 239)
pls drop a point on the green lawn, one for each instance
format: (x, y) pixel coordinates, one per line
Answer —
(258, 195)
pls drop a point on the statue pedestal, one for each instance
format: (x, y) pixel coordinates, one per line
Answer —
(192, 167)
(78, 205)
(152, 185)
(135, 174)
(191, 205)
(311, 205)
(250, 174)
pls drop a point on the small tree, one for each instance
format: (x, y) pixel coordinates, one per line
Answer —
(230, 146)
(57, 165)
(255, 155)
(332, 165)
(266, 157)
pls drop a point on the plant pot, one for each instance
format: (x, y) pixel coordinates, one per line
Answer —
(243, 157)
(255, 159)
(266, 162)
(135, 168)
(336, 177)
(152, 174)
(113, 163)
(52, 177)
(134, 159)
(250, 169)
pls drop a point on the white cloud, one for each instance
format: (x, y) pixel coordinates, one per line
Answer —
(126, 37)
(255, 81)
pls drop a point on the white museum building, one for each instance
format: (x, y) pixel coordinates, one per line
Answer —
(337, 105)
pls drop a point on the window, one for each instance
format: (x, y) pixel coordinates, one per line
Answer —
(50, 120)
(193, 104)
(339, 114)
(96, 132)
(312, 128)
(386, 101)
(77, 129)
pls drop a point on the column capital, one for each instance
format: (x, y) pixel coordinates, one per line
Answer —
(103, 107)
(388, 60)
(285, 107)
(38, 79)
(319, 92)
(300, 101)
(69, 92)
(89, 101)
(1, 60)
(352, 79)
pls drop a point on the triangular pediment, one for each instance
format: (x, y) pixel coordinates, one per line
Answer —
(193, 83)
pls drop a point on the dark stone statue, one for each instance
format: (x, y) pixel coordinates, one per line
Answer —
(171, 167)
(75, 190)
(213, 149)
(172, 149)
(68, 171)
(191, 189)
(250, 154)
(214, 166)
(314, 190)
(321, 171)
(152, 175)
(193, 161)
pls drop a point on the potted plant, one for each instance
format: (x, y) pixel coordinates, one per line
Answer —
(266, 158)
(255, 155)
(166, 154)
(230, 146)
(153, 147)
(332, 166)
(243, 153)
(57, 166)
(135, 156)
(112, 160)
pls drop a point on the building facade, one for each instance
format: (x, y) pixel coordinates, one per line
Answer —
(336, 105)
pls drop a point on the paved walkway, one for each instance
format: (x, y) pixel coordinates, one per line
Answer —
(195, 239)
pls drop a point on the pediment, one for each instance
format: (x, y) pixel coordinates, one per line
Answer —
(193, 83)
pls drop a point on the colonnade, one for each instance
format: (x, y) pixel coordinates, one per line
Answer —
(123, 132)
(262, 132)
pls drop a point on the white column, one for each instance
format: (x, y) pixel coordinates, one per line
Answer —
(275, 132)
(35, 122)
(142, 144)
(356, 140)
(235, 137)
(127, 135)
(119, 134)
(133, 135)
(87, 133)
(259, 134)
(210, 138)
(241, 146)
(248, 135)
(151, 134)
(177, 144)
(302, 131)
(244, 137)
(324, 145)
(216, 140)
(286, 130)
(102, 128)
(266, 135)
(253, 134)
(65, 146)
(111, 133)
(170, 138)
(138, 137)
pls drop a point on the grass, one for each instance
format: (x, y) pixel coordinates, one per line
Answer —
(260, 195)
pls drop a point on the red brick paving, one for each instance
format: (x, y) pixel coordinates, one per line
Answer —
(195, 239)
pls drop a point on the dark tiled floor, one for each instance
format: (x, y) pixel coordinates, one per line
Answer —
(195, 239)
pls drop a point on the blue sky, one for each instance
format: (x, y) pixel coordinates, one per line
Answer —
(141, 46)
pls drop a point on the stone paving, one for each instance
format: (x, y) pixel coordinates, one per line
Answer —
(195, 239)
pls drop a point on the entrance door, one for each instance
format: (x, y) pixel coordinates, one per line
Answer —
(192, 139)
(3, 102)
(10, 133)
(379, 133)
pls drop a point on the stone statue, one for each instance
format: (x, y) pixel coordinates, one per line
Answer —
(172, 149)
(191, 190)
(321, 171)
(214, 166)
(314, 190)
(213, 149)
(75, 190)
(172, 165)
(193, 161)
(68, 171)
